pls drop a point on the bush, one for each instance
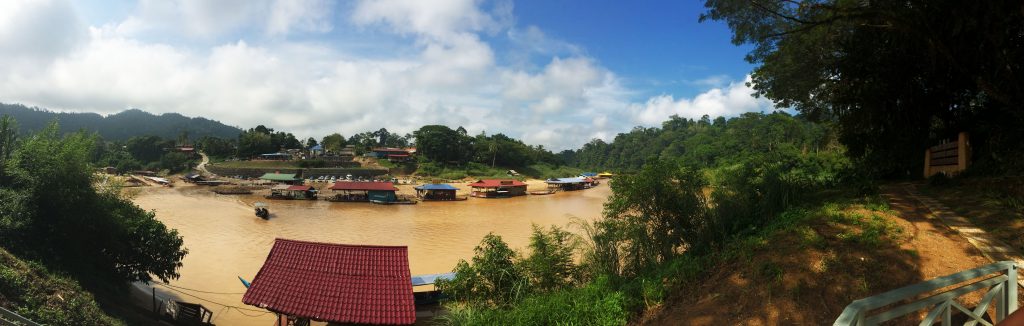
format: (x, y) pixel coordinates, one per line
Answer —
(594, 304)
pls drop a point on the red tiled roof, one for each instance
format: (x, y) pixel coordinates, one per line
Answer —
(495, 183)
(336, 283)
(300, 188)
(359, 185)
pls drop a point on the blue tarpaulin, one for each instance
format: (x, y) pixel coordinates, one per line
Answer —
(588, 174)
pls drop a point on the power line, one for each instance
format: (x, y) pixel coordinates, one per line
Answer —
(194, 290)
(221, 304)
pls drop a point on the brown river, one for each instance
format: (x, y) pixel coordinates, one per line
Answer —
(226, 240)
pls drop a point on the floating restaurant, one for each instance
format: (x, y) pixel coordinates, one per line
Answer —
(569, 184)
(355, 191)
(437, 192)
(334, 283)
(497, 188)
(292, 192)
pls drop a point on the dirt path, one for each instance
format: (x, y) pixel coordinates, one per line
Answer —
(202, 165)
(815, 280)
(942, 250)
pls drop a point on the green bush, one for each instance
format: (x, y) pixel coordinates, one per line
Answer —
(594, 304)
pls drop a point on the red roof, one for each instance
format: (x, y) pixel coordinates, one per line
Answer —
(358, 185)
(300, 188)
(335, 283)
(496, 183)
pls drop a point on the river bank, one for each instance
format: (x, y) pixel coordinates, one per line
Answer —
(225, 240)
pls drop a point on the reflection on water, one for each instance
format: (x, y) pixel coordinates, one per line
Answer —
(225, 239)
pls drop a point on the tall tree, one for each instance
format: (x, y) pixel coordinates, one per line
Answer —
(896, 75)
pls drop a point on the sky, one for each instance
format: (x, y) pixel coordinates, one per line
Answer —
(556, 73)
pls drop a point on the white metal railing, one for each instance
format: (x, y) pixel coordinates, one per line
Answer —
(1000, 278)
(8, 317)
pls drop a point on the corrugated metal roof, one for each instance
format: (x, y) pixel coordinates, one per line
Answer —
(436, 186)
(495, 183)
(359, 185)
(336, 283)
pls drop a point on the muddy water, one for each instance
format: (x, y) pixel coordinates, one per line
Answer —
(225, 240)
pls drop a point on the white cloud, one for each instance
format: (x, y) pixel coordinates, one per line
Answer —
(439, 19)
(34, 32)
(303, 15)
(729, 101)
(447, 75)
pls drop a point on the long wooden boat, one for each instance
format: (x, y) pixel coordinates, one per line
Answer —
(232, 191)
(397, 202)
(453, 199)
(541, 192)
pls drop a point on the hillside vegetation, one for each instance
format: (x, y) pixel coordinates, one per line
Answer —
(29, 290)
(120, 126)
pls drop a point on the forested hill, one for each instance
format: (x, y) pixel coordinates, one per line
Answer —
(706, 143)
(120, 126)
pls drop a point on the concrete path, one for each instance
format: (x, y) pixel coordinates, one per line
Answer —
(989, 246)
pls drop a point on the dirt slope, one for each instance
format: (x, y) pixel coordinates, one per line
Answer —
(807, 277)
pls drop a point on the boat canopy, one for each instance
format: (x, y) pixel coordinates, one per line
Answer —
(426, 279)
(566, 180)
(436, 186)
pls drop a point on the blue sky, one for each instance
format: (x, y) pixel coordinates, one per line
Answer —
(557, 73)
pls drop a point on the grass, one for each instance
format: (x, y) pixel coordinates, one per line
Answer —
(28, 289)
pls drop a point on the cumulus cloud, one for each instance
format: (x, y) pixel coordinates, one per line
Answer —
(439, 19)
(32, 32)
(728, 101)
(447, 75)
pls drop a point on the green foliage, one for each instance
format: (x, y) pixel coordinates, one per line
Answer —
(550, 265)
(51, 212)
(263, 140)
(493, 279)
(217, 147)
(333, 143)
(442, 144)
(596, 303)
(29, 290)
(705, 144)
(650, 217)
(120, 126)
(849, 62)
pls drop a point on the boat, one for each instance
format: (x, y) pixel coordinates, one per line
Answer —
(541, 192)
(396, 202)
(262, 210)
(457, 198)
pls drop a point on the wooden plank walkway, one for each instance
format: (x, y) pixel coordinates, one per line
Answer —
(992, 248)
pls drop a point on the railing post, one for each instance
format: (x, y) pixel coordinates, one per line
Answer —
(1011, 289)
